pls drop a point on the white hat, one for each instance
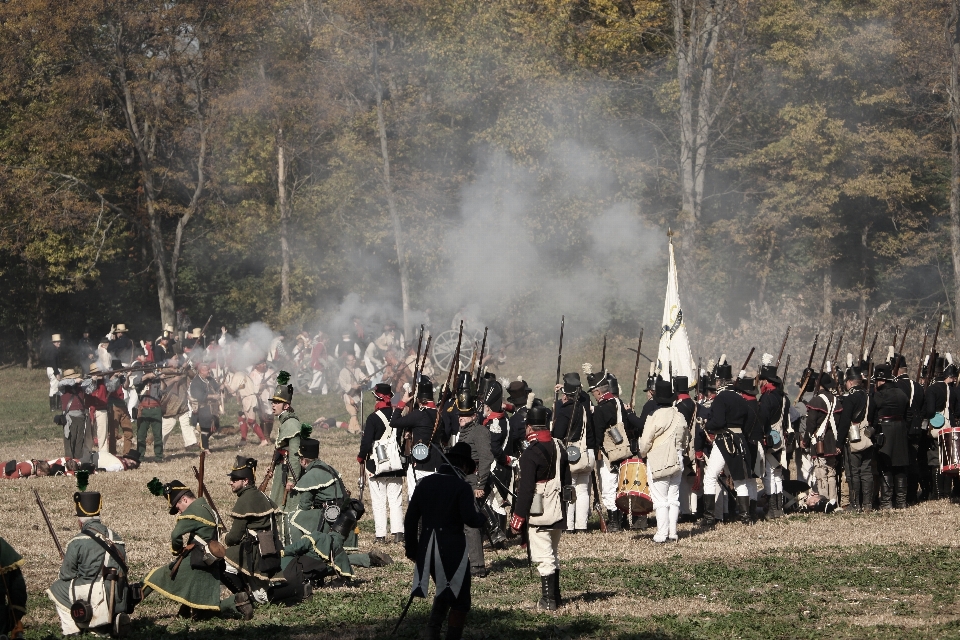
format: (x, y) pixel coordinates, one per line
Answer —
(196, 333)
(56, 338)
(168, 328)
(120, 328)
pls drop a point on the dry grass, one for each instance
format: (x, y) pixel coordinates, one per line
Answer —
(604, 577)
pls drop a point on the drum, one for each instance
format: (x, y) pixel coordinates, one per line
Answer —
(949, 444)
(632, 491)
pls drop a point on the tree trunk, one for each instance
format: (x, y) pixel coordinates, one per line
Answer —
(953, 40)
(284, 206)
(391, 199)
(827, 295)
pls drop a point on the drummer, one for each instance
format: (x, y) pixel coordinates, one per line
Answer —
(940, 410)
(544, 472)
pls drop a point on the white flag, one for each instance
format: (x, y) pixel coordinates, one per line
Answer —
(674, 350)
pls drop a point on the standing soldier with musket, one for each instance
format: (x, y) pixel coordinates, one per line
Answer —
(859, 447)
(544, 472)
(609, 415)
(193, 578)
(571, 425)
(286, 459)
(918, 438)
(386, 487)
(502, 448)
(420, 430)
(774, 417)
(478, 437)
(888, 411)
(822, 437)
(940, 407)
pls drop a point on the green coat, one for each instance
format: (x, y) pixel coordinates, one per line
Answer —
(319, 484)
(82, 565)
(13, 589)
(196, 588)
(288, 438)
(253, 511)
(311, 519)
(323, 546)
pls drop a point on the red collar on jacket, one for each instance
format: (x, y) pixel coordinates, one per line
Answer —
(383, 404)
(490, 418)
(767, 387)
(539, 435)
(683, 396)
(748, 397)
(607, 396)
(428, 405)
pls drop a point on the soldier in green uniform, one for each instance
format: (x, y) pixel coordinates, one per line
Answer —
(13, 592)
(253, 550)
(320, 489)
(286, 460)
(193, 578)
(94, 570)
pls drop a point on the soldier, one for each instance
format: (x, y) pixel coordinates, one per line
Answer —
(52, 361)
(149, 388)
(346, 346)
(504, 454)
(286, 460)
(418, 428)
(96, 392)
(608, 416)
(77, 432)
(724, 429)
(940, 400)
(253, 547)
(206, 392)
(118, 417)
(261, 376)
(859, 458)
(442, 506)
(661, 445)
(13, 592)
(571, 425)
(175, 403)
(94, 570)
(753, 433)
(478, 438)
(240, 384)
(351, 381)
(774, 420)
(386, 487)
(162, 346)
(122, 346)
(193, 578)
(544, 471)
(702, 446)
(918, 438)
(888, 410)
(310, 557)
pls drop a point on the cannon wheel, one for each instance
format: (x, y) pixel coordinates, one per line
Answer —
(445, 344)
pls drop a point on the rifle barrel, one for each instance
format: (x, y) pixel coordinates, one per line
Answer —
(556, 394)
(46, 518)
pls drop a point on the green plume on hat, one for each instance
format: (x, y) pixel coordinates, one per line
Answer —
(82, 477)
(283, 377)
(156, 487)
(305, 430)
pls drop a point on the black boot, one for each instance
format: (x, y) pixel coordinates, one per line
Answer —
(613, 522)
(547, 603)
(866, 491)
(753, 511)
(431, 631)
(743, 509)
(54, 403)
(455, 624)
(886, 490)
(709, 507)
(775, 507)
(556, 587)
(900, 490)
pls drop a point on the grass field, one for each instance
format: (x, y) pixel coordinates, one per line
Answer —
(884, 575)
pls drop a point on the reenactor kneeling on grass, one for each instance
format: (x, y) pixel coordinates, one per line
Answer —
(193, 578)
(13, 592)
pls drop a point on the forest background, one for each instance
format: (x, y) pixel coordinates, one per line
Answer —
(299, 162)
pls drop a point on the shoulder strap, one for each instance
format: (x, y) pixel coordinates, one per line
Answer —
(108, 546)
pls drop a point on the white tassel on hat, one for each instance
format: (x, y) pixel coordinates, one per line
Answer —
(710, 365)
(926, 359)
(723, 359)
(767, 359)
(890, 352)
(865, 354)
(587, 368)
(530, 397)
(849, 360)
(653, 369)
(829, 367)
(949, 358)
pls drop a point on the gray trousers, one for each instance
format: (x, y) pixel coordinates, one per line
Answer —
(78, 437)
(859, 470)
(474, 546)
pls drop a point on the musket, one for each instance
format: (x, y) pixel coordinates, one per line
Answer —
(786, 367)
(863, 338)
(636, 372)
(596, 501)
(403, 614)
(899, 354)
(267, 477)
(783, 345)
(836, 352)
(46, 518)
(823, 364)
(203, 332)
(933, 354)
(206, 495)
(922, 351)
(806, 373)
(747, 361)
(483, 350)
(203, 459)
(603, 355)
(183, 554)
(556, 392)
(362, 480)
(872, 345)
(446, 388)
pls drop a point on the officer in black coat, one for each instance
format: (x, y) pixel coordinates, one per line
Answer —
(725, 428)
(418, 428)
(941, 398)
(918, 439)
(888, 412)
(442, 505)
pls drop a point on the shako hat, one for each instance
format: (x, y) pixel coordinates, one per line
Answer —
(809, 376)
(722, 370)
(464, 379)
(681, 384)
(493, 396)
(284, 392)
(747, 384)
(244, 468)
(614, 383)
(594, 380)
(768, 370)
(383, 391)
(571, 384)
(425, 388)
(465, 403)
(309, 448)
(537, 417)
(950, 369)
(87, 503)
(663, 393)
(483, 385)
(883, 372)
(167, 329)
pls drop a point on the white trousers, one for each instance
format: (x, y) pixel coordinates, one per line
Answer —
(608, 486)
(773, 476)
(665, 493)
(187, 431)
(132, 399)
(579, 512)
(67, 625)
(545, 549)
(715, 466)
(318, 382)
(386, 493)
(102, 431)
(413, 479)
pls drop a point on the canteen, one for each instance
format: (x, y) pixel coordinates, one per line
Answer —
(937, 420)
(421, 452)
(573, 454)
